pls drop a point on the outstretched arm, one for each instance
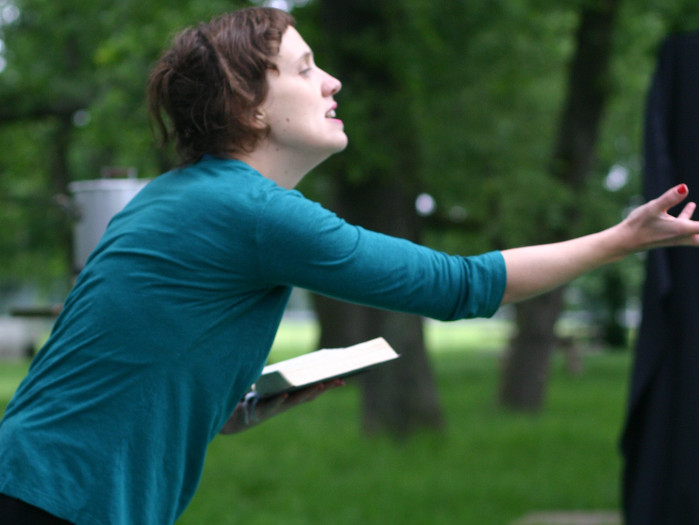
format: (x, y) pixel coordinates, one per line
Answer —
(534, 270)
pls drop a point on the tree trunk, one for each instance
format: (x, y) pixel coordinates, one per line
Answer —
(399, 397)
(526, 366)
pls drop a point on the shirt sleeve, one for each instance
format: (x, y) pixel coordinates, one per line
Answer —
(302, 244)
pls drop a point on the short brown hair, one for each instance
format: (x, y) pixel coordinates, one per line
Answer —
(211, 81)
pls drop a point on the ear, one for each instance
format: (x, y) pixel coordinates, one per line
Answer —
(260, 119)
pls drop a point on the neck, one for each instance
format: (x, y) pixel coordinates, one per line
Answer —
(284, 168)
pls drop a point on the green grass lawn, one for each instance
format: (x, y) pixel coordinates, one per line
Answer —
(489, 466)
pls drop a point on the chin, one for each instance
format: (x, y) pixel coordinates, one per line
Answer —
(330, 147)
(341, 147)
(332, 151)
(342, 144)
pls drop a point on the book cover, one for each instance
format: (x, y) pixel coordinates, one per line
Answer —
(322, 365)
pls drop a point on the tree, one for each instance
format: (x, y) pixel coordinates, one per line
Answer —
(371, 187)
(526, 366)
(379, 49)
(483, 111)
(72, 100)
(591, 86)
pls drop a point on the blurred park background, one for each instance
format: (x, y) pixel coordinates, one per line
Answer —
(473, 126)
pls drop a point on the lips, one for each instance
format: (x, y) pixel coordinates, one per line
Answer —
(331, 112)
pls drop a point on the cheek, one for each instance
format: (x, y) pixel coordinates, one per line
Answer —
(284, 114)
(284, 127)
(294, 122)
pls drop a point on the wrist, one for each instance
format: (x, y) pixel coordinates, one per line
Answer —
(618, 242)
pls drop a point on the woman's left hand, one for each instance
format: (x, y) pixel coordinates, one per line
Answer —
(651, 226)
(533, 270)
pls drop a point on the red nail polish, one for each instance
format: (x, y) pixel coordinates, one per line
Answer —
(682, 189)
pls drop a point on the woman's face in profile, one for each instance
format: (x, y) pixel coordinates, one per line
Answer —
(299, 107)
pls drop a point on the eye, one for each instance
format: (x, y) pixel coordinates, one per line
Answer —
(305, 71)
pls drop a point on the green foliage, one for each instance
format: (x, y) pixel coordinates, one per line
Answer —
(29, 246)
(458, 99)
(468, 95)
(485, 84)
(85, 62)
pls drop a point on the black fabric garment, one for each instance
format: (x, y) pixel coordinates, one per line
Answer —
(660, 440)
(17, 512)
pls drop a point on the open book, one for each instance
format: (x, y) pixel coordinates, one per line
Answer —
(322, 365)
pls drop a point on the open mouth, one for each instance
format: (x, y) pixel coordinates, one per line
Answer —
(330, 114)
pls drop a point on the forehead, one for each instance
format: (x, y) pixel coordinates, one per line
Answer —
(292, 47)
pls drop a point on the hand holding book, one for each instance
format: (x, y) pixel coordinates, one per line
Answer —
(245, 416)
(301, 379)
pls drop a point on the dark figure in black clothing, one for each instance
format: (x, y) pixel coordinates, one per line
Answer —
(660, 441)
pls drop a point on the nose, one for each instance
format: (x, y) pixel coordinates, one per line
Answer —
(331, 85)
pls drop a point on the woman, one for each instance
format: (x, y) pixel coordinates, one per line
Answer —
(173, 316)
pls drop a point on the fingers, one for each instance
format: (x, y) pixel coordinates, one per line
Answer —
(312, 392)
(672, 197)
(687, 211)
(308, 394)
(335, 383)
(272, 405)
(277, 404)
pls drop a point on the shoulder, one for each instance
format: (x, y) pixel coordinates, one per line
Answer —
(212, 185)
(289, 214)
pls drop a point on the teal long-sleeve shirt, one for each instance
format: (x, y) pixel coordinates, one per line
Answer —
(171, 321)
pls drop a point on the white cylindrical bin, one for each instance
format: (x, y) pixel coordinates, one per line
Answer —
(96, 202)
